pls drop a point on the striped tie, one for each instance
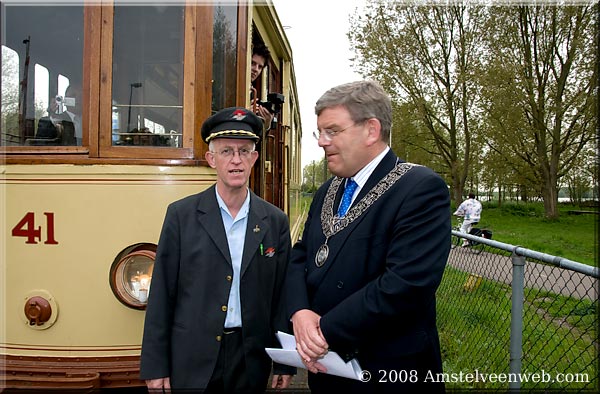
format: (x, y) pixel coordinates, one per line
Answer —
(347, 197)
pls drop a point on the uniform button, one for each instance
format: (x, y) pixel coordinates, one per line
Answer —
(229, 278)
(340, 284)
(218, 338)
(224, 308)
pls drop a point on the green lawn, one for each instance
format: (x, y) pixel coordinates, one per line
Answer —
(571, 236)
(559, 334)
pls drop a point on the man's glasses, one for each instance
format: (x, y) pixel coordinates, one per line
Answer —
(228, 153)
(328, 134)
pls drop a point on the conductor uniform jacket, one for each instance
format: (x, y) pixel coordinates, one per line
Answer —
(190, 288)
(375, 292)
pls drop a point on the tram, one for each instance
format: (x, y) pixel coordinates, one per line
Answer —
(101, 109)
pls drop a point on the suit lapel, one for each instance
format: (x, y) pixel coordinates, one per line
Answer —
(383, 168)
(209, 216)
(255, 231)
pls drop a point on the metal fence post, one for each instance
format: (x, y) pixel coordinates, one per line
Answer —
(516, 318)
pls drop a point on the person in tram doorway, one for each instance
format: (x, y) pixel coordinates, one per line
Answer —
(216, 300)
(260, 57)
(470, 210)
(362, 279)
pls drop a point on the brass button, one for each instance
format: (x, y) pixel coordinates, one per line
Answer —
(229, 278)
(218, 338)
(224, 308)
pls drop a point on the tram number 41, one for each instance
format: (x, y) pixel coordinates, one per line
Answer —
(26, 228)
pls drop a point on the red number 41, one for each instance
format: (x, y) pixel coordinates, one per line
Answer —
(26, 228)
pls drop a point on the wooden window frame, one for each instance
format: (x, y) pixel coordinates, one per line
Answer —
(97, 95)
(104, 144)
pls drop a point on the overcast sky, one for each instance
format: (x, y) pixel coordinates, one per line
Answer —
(317, 32)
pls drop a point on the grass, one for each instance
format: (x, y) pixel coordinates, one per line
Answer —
(559, 333)
(573, 237)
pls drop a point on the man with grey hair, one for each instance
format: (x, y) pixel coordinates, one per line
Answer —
(363, 278)
(216, 299)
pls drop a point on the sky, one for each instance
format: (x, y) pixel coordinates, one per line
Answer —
(317, 33)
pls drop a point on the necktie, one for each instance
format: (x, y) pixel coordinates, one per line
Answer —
(347, 197)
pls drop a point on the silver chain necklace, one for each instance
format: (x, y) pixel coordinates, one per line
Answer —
(332, 224)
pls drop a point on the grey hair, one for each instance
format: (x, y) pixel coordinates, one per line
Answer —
(363, 100)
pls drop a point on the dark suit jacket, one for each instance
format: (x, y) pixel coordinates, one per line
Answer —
(184, 319)
(47, 129)
(376, 291)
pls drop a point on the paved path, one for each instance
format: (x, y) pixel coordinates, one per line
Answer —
(537, 275)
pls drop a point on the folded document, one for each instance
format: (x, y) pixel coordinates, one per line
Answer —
(332, 361)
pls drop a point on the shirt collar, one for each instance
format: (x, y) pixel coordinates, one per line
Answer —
(363, 175)
(243, 210)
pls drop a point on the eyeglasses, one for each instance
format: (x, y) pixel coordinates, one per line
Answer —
(228, 153)
(328, 134)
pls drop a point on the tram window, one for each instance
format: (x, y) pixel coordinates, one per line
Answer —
(41, 36)
(10, 97)
(224, 57)
(147, 85)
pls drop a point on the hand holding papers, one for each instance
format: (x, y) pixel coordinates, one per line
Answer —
(332, 361)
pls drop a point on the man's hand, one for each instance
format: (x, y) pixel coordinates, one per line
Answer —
(265, 114)
(281, 381)
(310, 342)
(161, 383)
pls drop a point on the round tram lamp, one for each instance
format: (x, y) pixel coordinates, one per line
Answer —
(131, 275)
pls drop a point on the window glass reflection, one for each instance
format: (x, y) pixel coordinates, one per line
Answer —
(40, 44)
(147, 89)
(224, 57)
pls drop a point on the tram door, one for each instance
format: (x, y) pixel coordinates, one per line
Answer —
(273, 151)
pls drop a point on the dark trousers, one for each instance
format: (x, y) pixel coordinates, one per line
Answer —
(230, 374)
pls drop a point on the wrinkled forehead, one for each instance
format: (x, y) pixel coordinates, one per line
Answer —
(233, 142)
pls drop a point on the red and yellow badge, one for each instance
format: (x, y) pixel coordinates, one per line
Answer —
(238, 114)
(270, 252)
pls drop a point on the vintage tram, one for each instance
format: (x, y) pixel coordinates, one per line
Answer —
(101, 107)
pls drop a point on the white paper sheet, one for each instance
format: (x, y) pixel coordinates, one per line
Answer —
(332, 361)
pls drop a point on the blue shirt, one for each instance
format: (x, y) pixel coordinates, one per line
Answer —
(235, 229)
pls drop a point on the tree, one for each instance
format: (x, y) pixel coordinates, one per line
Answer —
(10, 96)
(426, 57)
(542, 90)
(477, 85)
(314, 175)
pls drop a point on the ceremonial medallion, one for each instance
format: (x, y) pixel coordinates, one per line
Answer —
(321, 256)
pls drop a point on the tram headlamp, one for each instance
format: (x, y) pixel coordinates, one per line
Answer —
(131, 277)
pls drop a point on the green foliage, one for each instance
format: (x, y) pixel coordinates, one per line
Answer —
(493, 96)
(514, 209)
(314, 175)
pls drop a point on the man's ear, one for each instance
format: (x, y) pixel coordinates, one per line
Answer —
(254, 157)
(373, 126)
(210, 158)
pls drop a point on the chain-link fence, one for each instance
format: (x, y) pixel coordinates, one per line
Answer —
(513, 318)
